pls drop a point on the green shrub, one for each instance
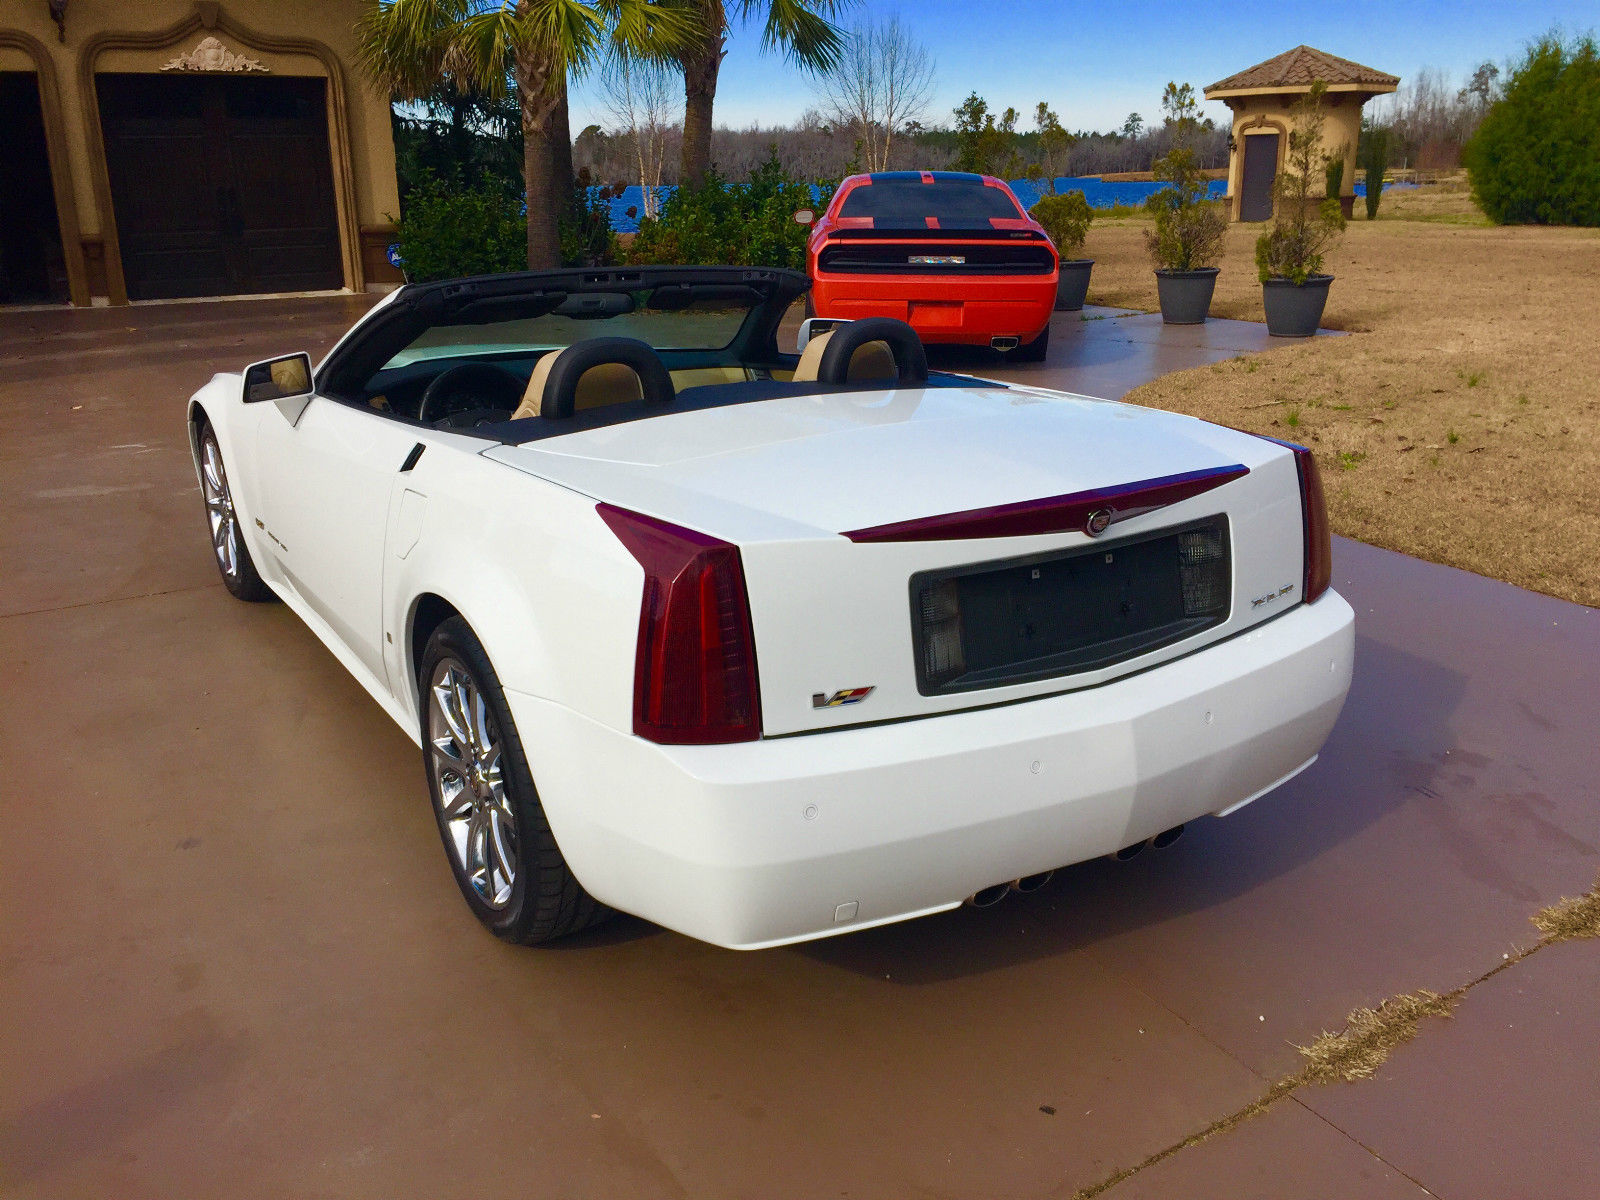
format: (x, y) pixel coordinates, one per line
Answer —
(449, 230)
(1186, 237)
(741, 224)
(1189, 228)
(1303, 224)
(1333, 176)
(586, 237)
(1066, 219)
(1374, 157)
(1536, 156)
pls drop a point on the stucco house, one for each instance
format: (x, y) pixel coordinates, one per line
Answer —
(166, 148)
(1261, 97)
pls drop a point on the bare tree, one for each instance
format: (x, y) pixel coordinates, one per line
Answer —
(1432, 119)
(640, 97)
(882, 83)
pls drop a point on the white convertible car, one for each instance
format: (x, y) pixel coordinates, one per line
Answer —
(766, 647)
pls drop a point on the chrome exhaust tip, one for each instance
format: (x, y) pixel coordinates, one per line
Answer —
(1004, 343)
(1166, 837)
(1129, 852)
(989, 896)
(1029, 884)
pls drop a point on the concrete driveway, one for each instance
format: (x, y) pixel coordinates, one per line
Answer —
(233, 961)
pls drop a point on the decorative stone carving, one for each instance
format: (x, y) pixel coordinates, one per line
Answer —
(212, 55)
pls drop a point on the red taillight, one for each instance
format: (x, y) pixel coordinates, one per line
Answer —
(1314, 514)
(1319, 546)
(694, 680)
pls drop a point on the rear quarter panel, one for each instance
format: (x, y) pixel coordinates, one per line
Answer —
(547, 588)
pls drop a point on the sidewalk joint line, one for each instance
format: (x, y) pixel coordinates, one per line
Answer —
(1370, 1034)
(177, 591)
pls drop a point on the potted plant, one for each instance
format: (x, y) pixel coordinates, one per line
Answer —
(1066, 219)
(1294, 291)
(1186, 241)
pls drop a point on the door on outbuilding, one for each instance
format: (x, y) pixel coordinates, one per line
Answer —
(220, 185)
(1260, 168)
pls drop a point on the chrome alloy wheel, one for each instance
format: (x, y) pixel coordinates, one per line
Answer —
(464, 749)
(219, 506)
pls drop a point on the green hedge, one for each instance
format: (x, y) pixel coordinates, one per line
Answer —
(1536, 157)
(740, 224)
(450, 230)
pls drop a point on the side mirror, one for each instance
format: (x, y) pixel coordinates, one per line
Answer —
(804, 216)
(287, 378)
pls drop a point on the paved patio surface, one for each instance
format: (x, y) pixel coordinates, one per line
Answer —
(233, 961)
(1108, 352)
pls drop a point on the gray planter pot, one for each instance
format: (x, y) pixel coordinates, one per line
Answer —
(1073, 287)
(1186, 295)
(1295, 309)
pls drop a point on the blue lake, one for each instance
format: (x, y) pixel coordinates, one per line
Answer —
(1097, 192)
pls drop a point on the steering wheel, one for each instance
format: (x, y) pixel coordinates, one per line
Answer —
(467, 386)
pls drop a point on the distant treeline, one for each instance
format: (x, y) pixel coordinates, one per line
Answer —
(813, 149)
(476, 141)
(1429, 119)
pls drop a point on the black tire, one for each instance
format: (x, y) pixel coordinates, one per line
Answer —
(1035, 350)
(241, 578)
(810, 307)
(544, 900)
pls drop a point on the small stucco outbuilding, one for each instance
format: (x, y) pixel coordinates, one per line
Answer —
(166, 148)
(1261, 97)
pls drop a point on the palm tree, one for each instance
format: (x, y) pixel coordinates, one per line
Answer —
(800, 28)
(410, 46)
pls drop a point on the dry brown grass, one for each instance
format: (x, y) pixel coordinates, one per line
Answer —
(1571, 917)
(1364, 1044)
(1460, 420)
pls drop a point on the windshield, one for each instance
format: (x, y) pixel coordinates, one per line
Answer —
(670, 317)
(901, 203)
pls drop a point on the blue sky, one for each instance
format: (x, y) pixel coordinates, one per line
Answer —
(1095, 62)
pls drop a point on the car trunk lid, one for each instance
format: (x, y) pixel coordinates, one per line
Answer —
(846, 505)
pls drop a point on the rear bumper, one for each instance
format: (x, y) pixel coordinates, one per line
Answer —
(787, 839)
(964, 310)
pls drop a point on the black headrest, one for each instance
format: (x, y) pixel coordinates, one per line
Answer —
(910, 360)
(561, 387)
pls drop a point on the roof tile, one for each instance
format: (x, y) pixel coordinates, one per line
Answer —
(1301, 67)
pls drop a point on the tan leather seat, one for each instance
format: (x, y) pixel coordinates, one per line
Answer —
(688, 377)
(872, 361)
(607, 383)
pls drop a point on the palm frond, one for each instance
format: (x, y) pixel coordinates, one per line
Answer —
(800, 29)
(404, 44)
(652, 30)
(484, 48)
(567, 34)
